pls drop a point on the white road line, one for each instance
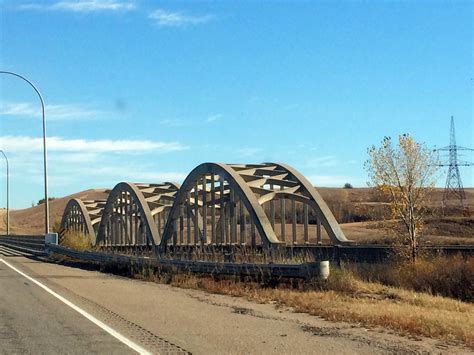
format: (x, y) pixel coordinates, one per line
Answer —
(94, 320)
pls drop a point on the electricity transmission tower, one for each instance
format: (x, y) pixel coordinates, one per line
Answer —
(454, 194)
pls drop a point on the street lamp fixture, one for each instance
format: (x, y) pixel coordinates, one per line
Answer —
(45, 161)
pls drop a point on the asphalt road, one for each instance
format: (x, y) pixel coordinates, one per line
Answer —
(164, 319)
(34, 322)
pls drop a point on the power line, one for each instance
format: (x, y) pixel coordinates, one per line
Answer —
(454, 194)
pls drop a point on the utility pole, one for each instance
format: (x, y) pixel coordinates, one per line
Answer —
(454, 193)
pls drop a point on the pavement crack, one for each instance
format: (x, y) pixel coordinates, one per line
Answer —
(337, 332)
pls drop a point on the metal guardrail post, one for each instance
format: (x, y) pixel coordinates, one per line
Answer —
(50, 239)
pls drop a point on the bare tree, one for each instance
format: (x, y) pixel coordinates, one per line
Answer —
(405, 174)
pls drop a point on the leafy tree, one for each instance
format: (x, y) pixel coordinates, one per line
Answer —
(405, 175)
(347, 186)
(42, 200)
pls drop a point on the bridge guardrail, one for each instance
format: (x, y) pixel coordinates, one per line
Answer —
(374, 253)
(304, 271)
(355, 253)
(32, 244)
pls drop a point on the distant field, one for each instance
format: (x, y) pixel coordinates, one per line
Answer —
(357, 210)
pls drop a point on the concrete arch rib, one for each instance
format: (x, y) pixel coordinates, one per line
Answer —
(145, 213)
(85, 219)
(327, 218)
(240, 187)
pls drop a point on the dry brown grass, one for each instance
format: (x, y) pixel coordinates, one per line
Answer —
(450, 276)
(441, 231)
(347, 298)
(76, 240)
(350, 199)
(3, 220)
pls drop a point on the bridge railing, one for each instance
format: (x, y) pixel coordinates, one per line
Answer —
(349, 253)
(31, 244)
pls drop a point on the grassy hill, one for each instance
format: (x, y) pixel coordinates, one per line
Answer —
(359, 210)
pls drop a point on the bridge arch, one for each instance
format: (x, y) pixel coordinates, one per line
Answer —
(135, 213)
(324, 214)
(218, 187)
(228, 197)
(82, 216)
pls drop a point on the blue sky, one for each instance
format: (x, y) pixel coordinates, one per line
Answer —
(146, 90)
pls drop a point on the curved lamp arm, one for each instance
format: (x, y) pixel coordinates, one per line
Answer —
(45, 162)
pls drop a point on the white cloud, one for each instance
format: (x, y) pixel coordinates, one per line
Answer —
(75, 158)
(166, 18)
(53, 112)
(70, 169)
(178, 122)
(82, 6)
(213, 118)
(32, 144)
(131, 171)
(128, 172)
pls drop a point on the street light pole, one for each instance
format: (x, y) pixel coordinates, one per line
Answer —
(8, 194)
(45, 160)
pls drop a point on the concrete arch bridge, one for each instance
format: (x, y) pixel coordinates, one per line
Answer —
(221, 206)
